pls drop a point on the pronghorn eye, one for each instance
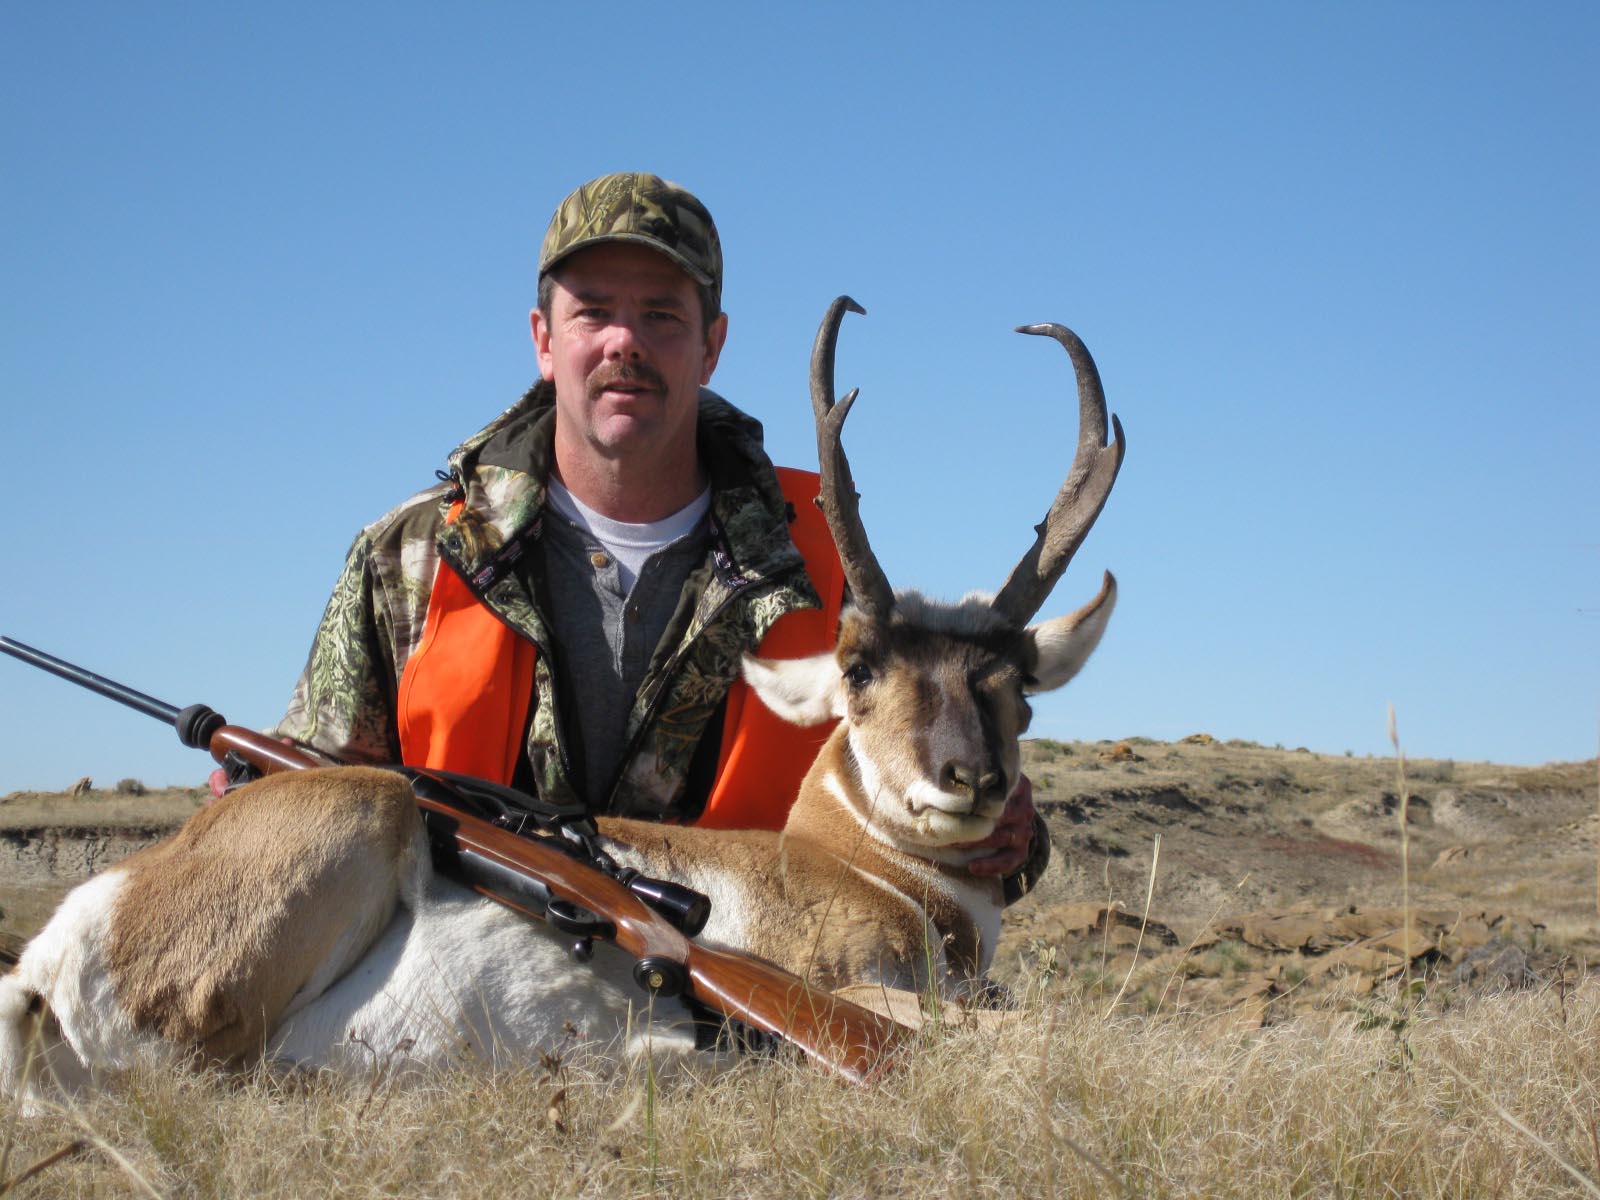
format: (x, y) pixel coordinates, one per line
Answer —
(858, 675)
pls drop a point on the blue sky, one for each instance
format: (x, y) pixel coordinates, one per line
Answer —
(262, 269)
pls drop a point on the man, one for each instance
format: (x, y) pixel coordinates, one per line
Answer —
(567, 609)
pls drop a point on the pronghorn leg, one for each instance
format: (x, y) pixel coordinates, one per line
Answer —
(56, 1023)
(204, 942)
(261, 902)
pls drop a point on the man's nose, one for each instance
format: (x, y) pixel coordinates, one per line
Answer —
(622, 339)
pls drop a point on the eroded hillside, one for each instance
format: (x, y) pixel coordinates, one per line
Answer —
(1270, 860)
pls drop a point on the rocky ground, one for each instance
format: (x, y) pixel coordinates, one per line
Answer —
(1225, 877)
(1257, 882)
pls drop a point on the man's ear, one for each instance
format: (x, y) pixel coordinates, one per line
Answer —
(715, 337)
(541, 343)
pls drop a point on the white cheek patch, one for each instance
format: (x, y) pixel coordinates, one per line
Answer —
(866, 769)
(835, 787)
(885, 812)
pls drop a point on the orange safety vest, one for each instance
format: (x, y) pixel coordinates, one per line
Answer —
(465, 691)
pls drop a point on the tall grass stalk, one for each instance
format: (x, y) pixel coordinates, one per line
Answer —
(1405, 853)
(1144, 923)
(60, 1154)
(652, 1136)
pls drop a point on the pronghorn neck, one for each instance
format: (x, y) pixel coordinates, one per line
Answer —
(894, 817)
(845, 806)
(842, 808)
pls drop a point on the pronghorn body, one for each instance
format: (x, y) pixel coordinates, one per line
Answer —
(300, 919)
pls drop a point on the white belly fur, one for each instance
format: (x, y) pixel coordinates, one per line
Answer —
(465, 981)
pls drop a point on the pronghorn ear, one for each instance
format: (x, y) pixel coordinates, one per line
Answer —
(803, 691)
(1064, 644)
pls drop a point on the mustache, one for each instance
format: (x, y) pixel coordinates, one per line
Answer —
(641, 374)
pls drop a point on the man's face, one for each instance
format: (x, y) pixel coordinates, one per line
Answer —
(625, 347)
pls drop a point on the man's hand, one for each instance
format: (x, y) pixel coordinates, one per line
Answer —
(221, 785)
(1011, 836)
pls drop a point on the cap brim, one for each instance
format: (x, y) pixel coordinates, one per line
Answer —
(687, 267)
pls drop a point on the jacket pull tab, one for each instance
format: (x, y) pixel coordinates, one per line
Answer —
(456, 492)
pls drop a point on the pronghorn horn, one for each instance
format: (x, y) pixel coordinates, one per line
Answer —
(869, 586)
(1081, 497)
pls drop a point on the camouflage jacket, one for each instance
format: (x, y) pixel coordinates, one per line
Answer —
(345, 701)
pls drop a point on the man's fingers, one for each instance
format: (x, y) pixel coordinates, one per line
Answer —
(1002, 863)
(1011, 837)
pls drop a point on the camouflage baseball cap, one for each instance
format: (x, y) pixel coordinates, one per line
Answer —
(646, 210)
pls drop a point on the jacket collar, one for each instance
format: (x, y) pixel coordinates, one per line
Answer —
(501, 472)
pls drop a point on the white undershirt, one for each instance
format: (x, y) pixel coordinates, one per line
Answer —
(627, 543)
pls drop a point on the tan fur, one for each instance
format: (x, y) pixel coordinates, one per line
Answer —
(802, 906)
(289, 867)
(803, 903)
(826, 829)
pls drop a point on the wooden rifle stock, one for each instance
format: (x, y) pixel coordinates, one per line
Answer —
(843, 1037)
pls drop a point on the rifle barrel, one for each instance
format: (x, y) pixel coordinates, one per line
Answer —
(109, 688)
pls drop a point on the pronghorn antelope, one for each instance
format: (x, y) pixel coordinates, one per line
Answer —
(300, 919)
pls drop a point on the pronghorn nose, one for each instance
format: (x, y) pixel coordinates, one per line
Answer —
(965, 778)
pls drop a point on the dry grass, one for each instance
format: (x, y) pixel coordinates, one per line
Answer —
(1498, 1098)
(1075, 1096)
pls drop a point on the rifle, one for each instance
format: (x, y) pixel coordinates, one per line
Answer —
(550, 878)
